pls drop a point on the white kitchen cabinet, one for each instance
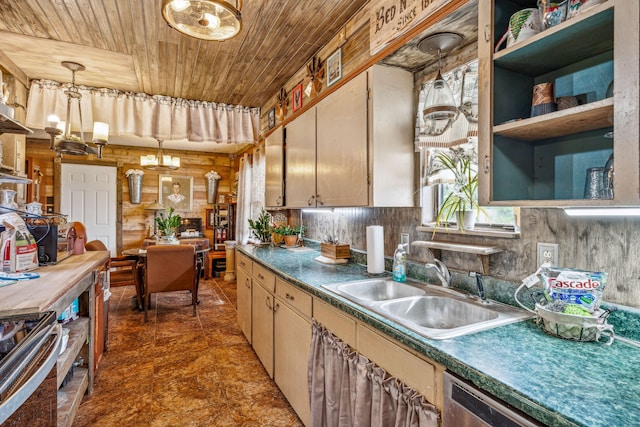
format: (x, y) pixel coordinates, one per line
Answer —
(355, 147)
(274, 172)
(292, 341)
(262, 320)
(543, 160)
(300, 171)
(243, 292)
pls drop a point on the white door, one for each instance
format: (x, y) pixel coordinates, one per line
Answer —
(88, 195)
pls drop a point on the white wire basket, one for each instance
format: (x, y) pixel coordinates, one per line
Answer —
(574, 327)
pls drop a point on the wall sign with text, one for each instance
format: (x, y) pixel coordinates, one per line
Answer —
(389, 19)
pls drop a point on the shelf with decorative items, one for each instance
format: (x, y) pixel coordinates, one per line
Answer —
(221, 219)
(548, 108)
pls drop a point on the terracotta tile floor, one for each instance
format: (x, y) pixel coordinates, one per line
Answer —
(180, 370)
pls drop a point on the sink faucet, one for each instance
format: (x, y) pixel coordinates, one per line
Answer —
(479, 284)
(441, 271)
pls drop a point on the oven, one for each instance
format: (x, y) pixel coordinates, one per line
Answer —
(467, 406)
(29, 349)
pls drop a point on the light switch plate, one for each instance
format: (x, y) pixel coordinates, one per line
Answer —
(548, 252)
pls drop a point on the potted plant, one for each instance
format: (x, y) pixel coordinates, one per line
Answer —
(261, 228)
(168, 224)
(461, 203)
(290, 234)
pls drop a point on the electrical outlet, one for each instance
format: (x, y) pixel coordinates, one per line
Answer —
(548, 252)
(404, 240)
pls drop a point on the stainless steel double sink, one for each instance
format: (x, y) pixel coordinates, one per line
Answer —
(429, 310)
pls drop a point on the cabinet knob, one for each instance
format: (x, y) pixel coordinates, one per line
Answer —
(276, 306)
(279, 201)
(319, 200)
(268, 303)
(310, 201)
(247, 283)
(289, 296)
(260, 276)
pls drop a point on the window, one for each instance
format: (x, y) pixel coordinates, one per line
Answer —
(459, 141)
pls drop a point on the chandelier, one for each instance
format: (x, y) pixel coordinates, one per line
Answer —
(161, 162)
(204, 19)
(68, 140)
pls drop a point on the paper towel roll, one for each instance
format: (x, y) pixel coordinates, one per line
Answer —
(375, 249)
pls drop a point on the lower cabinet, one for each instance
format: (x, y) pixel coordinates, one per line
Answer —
(292, 341)
(262, 342)
(243, 292)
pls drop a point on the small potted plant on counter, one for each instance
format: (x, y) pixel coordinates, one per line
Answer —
(291, 235)
(261, 228)
(168, 226)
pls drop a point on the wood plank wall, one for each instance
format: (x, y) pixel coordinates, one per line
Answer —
(136, 221)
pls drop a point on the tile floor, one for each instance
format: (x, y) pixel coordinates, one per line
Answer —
(180, 370)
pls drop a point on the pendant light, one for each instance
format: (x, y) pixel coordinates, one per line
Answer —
(440, 107)
(161, 162)
(215, 20)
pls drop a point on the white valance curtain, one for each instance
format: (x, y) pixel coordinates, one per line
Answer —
(348, 390)
(145, 116)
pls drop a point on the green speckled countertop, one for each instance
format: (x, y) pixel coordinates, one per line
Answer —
(556, 381)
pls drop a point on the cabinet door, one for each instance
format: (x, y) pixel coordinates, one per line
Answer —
(292, 343)
(243, 286)
(262, 313)
(342, 156)
(274, 169)
(300, 178)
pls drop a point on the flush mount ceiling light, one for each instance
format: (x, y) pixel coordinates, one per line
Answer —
(204, 19)
(69, 142)
(440, 107)
(160, 162)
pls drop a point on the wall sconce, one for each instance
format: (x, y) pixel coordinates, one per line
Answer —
(440, 107)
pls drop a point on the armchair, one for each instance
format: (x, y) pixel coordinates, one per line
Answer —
(171, 268)
(123, 270)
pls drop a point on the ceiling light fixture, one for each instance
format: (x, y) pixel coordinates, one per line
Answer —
(69, 142)
(204, 19)
(161, 162)
(440, 108)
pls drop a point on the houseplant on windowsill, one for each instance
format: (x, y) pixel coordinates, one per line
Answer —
(290, 234)
(261, 228)
(168, 226)
(461, 203)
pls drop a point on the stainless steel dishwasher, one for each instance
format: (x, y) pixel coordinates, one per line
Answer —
(467, 406)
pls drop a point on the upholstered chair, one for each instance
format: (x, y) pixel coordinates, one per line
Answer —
(171, 268)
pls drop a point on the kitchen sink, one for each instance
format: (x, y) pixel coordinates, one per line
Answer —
(378, 290)
(429, 310)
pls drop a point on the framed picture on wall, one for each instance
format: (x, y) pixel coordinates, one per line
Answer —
(209, 219)
(296, 97)
(334, 67)
(176, 192)
(271, 118)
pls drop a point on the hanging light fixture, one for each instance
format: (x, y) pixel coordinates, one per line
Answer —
(161, 162)
(69, 142)
(204, 19)
(440, 107)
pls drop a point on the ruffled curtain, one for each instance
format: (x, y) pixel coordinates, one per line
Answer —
(142, 115)
(250, 192)
(346, 389)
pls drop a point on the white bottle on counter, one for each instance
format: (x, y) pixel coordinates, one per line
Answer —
(400, 264)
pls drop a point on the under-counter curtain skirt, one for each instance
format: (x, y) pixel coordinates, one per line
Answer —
(348, 390)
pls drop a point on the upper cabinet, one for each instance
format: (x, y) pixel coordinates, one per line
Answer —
(537, 151)
(355, 147)
(274, 173)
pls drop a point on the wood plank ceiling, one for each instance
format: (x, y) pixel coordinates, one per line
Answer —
(126, 44)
